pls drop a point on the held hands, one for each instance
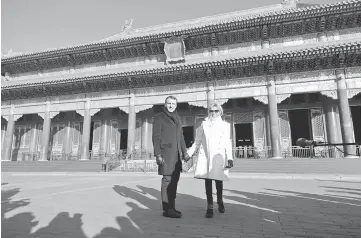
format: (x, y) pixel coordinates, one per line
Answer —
(186, 157)
(230, 164)
(159, 160)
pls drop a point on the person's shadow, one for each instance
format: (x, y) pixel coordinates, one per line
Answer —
(22, 224)
(145, 217)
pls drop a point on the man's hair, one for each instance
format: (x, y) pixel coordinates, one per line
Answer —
(171, 97)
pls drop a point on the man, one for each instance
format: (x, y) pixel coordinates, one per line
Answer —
(169, 148)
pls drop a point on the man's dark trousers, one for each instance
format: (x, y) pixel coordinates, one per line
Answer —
(169, 187)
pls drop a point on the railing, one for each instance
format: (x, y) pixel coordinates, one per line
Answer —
(30, 156)
(143, 160)
(248, 152)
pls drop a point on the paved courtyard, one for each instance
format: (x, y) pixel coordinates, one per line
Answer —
(102, 205)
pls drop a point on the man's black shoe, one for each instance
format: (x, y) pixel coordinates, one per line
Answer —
(172, 214)
(209, 213)
(179, 212)
(221, 208)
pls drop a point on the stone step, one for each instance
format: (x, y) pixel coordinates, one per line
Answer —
(297, 166)
(50, 166)
(303, 166)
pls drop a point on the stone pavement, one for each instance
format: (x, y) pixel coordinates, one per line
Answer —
(102, 205)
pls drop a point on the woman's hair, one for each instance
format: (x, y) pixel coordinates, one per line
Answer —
(218, 107)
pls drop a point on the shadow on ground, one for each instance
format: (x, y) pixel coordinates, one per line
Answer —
(274, 213)
(21, 225)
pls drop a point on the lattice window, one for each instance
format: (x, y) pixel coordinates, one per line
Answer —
(16, 137)
(258, 129)
(284, 129)
(40, 135)
(27, 135)
(96, 135)
(138, 134)
(242, 118)
(317, 124)
(114, 135)
(76, 132)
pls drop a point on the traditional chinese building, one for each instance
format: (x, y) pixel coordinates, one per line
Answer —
(280, 72)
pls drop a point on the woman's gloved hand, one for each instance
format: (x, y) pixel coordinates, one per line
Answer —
(230, 164)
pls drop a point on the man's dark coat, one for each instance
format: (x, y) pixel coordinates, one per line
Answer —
(168, 141)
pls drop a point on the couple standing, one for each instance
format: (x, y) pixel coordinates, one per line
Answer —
(212, 143)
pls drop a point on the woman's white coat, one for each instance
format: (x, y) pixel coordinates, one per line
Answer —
(214, 147)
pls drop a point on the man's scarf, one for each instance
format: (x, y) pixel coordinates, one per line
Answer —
(172, 115)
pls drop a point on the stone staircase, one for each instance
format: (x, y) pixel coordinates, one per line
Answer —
(51, 166)
(287, 166)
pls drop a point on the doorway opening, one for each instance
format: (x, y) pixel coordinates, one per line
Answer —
(123, 139)
(91, 136)
(244, 140)
(356, 119)
(300, 124)
(188, 133)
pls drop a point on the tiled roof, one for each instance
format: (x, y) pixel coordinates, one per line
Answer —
(197, 26)
(226, 61)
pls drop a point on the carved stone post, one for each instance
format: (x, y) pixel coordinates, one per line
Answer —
(131, 124)
(268, 129)
(33, 140)
(145, 134)
(210, 95)
(345, 114)
(86, 131)
(273, 118)
(67, 136)
(332, 129)
(104, 136)
(8, 143)
(3, 131)
(46, 134)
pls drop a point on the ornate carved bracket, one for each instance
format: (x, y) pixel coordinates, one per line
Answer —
(94, 111)
(221, 101)
(139, 108)
(81, 112)
(125, 109)
(333, 94)
(41, 114)
(6, 117)
(280, 98)
(262, 99)
(53, 114)
(17, 116)
(353, 92)
(203, 104)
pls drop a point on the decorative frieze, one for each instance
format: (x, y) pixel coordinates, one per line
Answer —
(245, 82)
(306, 87)
(353, 72)
(171, 89)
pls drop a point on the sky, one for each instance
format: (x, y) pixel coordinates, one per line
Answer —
(37, 25)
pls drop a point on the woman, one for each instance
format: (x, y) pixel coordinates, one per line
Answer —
(213, 143)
